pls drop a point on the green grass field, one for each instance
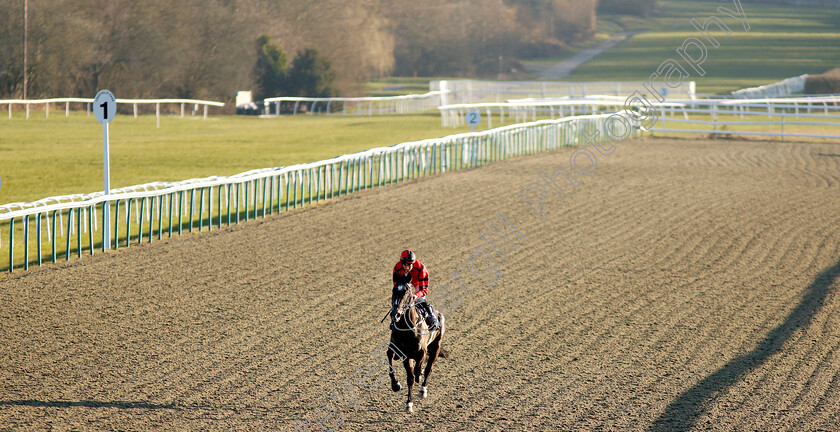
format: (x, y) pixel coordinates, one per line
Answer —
(783, 41)
(44, 157)
(573, 48)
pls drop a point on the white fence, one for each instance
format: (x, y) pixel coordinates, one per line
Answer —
(791, 112)
(155, 209)
(88, 101)
(524, 110)
(162, 208)
(471, 91)
(751, 117)
(453, 92)
(406, 104)
(782, 88)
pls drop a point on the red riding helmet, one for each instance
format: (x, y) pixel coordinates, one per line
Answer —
(408, 256)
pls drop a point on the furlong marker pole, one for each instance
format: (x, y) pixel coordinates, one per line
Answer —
(106, 205)
(105, 109)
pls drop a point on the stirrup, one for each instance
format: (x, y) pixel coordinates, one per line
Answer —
(434, 324)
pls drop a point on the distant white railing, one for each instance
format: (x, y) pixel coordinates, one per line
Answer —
(453, 92)
(405, 104)
(530, 110)
(471, 91)
(89, 101)
(524, 110)
(735, 117)
(158, 209)
(782, 88)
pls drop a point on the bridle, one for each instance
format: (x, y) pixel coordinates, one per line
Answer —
(408, 297)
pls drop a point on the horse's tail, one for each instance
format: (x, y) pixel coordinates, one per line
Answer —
(443, 353)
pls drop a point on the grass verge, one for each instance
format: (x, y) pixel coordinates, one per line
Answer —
(44, 157)
(783, 41)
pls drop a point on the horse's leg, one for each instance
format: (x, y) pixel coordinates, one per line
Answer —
(395, 385)
(418, 368)
(409, 373)
(434, 350)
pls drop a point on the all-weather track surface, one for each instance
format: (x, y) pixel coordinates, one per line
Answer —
(685, 285)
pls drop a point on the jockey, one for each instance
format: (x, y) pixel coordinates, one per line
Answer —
(411, 270)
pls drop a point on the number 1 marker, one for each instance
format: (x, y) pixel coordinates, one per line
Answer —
(104, 104)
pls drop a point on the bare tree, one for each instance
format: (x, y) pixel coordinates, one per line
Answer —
(204, 48)
(11, 48)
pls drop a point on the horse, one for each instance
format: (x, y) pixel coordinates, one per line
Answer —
(411, 337)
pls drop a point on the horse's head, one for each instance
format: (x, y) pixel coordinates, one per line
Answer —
(401, 299)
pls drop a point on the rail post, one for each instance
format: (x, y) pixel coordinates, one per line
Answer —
(782, 136)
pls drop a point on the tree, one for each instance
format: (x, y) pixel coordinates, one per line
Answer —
(204, 49)
(211, 40)
(270, 70)
(311, 75)
(11, 50)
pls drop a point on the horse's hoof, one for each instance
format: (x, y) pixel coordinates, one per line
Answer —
(396, 387)
(409, 407)
(423, 392)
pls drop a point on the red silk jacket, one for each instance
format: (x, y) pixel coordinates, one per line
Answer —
(417, 276)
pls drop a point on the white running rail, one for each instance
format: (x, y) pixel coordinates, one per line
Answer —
(88, 101)
(524, 110)
(750, 117)
(781, 111)
(405, 104)
(782, 88)
(160, 208)
(471, 91)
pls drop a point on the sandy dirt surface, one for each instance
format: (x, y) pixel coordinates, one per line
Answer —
(685, 285)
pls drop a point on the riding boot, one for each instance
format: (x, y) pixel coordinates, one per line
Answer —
(431, 317)
(432, 321)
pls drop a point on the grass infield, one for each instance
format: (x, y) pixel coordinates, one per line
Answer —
(52, 156)
(783, 41)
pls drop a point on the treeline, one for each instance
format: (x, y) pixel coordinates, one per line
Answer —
(482, 37)
(150, 48)
(208, 49)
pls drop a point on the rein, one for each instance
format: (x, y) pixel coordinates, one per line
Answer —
(406, 315)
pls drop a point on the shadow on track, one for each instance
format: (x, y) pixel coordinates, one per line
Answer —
(682, 414)
(87, 404)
